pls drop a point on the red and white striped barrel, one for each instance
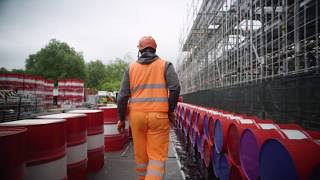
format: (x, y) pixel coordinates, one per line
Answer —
(95, 138)
(12, 152)
(110, 113)
(114, 141)
(45, 148)
(76, 143)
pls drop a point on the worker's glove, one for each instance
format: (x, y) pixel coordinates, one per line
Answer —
(121, 125)
(172, 117)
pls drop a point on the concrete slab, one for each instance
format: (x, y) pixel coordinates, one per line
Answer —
(120, 165)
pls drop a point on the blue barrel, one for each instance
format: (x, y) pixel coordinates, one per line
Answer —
(218, 136)
(224, 166)
(221, 127)
(215, 163)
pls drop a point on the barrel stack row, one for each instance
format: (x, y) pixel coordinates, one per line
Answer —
(57, 146)
(237, 146)
(72, 91)
(29, 85)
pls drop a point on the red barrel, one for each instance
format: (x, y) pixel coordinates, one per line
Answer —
(113, 140)
(294, 158)
(95, 138)
(207, 152)
(12, 152)
(234, 133)
(236, 173)
(221, 127)
(314, 134)
(188, 115)
(251, 141)
(110, 114)
(76, 143)
(209, 125)
(45, 148)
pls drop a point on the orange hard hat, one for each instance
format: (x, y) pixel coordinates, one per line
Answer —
(147, 41)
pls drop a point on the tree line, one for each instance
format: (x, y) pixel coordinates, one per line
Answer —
(57, 60)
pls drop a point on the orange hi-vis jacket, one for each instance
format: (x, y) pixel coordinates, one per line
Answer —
(149, 92)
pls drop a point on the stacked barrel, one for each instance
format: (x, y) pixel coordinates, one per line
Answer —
(242, 147)
(11, 81)
(29, 82)
(40, 148)
(36, 86)
(95, 138)
(76, 139)
(71, 91)
(55, 146)
(114, 141)
(48, 93)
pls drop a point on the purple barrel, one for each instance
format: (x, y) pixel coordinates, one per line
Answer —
(251, 141)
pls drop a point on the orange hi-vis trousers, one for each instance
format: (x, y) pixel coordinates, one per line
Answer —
(150, 132)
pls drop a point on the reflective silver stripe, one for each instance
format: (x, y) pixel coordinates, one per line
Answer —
(157, 163)
(134, 100)
(154, 172)
(149, 86)
(141, 173)
(141, 166)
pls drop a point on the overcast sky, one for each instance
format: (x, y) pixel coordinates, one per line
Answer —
(101, 29)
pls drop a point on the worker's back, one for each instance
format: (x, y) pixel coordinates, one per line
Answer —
(148, 87)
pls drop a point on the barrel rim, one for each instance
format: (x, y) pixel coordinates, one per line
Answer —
(40, 122)
(10, 131)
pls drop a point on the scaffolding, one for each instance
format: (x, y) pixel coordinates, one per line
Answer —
(227, 43)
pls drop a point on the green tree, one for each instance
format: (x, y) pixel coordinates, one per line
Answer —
(96, 72)
(57, 60)
(3, 70)
(21, 71)
(113, 77)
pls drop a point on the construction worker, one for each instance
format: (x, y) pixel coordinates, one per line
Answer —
(153, 87)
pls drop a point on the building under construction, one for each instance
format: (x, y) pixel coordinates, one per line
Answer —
(258, 57)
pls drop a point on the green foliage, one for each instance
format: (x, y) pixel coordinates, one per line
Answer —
(111, 86)
(114, 73)
(96, 72)
(3, 70)
(21, 71)
(56, 61)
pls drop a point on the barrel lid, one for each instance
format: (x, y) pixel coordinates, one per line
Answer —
(8, 131)
(274, 151)
(237, 118)
(85, 111)
(268, 126)
(294, 134)
(29, 122)
(61, 115)
(246, 121)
